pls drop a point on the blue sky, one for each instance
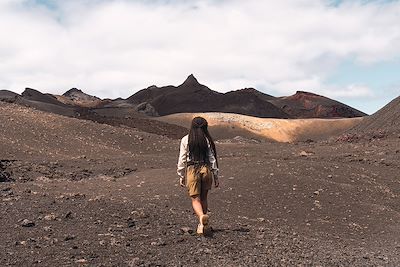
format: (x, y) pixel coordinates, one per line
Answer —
(348, 50)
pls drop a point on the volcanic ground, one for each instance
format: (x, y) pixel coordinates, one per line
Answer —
(81, 193)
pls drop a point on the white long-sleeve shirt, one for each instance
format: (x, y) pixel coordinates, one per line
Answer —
(184, 157)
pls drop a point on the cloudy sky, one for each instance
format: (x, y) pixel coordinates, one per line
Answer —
(348, 50)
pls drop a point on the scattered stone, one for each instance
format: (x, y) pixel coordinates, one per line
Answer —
(114, 242)
(27, 223)
(50, 217)
(131, 222)
(69, 237)
(68, 215)
(186, 230)
(4, 176)
(260, 236)
(317, 204)
(305, 153)
(82, 261)
(158, 243)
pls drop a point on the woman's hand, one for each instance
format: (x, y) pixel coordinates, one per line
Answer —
(216, 181)
(182, 182)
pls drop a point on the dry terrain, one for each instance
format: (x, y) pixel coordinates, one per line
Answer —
(228, 125)
(80, 193)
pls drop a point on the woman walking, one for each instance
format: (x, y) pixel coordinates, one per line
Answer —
(197, 167)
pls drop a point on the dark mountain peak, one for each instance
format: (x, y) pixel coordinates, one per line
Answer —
(191, 81)
(78, 95)
(73, 91)
(35, 95)
(30, 92)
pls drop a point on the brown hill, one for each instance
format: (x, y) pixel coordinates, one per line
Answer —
(309, 105)
(35, 95)
(27, 132)
(8, 96)
(386, 119)
(44, 102)
(80, 106)
(34, 143)
(191, 96)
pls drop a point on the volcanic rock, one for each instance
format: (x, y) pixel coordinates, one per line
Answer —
(27, 223)
(147, 109)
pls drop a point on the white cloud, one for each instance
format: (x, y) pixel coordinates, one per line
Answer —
(114, 48)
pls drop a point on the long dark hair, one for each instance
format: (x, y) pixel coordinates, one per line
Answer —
(198, 136)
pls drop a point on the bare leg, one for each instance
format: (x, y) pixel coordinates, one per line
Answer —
(197, 206)
(203, 199)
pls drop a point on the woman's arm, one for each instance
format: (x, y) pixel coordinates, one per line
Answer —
(182, 158)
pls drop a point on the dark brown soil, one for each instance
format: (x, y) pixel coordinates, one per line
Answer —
(83, 193)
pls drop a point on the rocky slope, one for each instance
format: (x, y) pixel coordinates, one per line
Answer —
(77, 104)
(385, 119)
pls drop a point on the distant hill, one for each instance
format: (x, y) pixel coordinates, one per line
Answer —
(8, 96)
(309, 105)
(44, 102)
(77, 97)
(77, 104)
(191, 96)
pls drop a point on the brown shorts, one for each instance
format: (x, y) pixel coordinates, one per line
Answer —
(198, 179)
